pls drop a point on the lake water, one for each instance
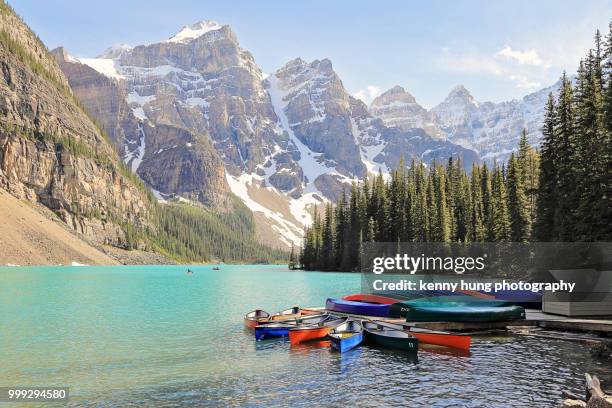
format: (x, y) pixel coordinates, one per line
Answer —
(155, 336)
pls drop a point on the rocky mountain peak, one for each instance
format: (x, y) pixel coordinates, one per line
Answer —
(397, 108)
(193, 31)
(460, 93)
(395, 94)
(115, 51)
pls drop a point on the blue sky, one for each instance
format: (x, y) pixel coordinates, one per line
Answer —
(498, 49)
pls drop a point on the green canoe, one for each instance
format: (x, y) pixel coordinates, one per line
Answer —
(401, 308)
(449, 312)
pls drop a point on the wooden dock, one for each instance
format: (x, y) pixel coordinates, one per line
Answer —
(535, 319)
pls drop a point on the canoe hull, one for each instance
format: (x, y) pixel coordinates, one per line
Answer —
(364, 297)
(265, 332)
(463, 313)
(302, 335)
(406, 344)
(345, 344)
(359, 308)
(441, 339)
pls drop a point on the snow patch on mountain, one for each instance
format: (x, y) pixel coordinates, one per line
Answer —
(188, 33)
(309, 161)
(245, 186)
(105, 66)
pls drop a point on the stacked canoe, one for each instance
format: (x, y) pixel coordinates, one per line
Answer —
(446, 308)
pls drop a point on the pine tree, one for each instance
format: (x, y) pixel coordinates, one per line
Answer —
(565, 150)
(546, 199)
(517, 200)
(500, 220)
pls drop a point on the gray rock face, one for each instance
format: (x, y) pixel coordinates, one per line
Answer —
(52, 153)
(385, 147)
(171, 160)
(103, 97)
(317, 107)
(206, 84)
(397, 108)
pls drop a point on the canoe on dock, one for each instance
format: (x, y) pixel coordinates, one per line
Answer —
(365, 297)
(270, 330)
(450, 312)
(306, 332)
(360, 308)
(347, 336)
(389, 337)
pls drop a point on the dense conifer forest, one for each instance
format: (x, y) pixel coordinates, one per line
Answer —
(563, 192)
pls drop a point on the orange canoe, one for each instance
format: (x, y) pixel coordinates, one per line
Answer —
(457, 341)
(306, 333)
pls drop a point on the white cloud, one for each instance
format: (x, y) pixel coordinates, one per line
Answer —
(524, 82)
(527, 57)
(367, 95)
(529, 65)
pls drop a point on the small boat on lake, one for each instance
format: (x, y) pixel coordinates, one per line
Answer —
(270, 329)
(252, 319)
(292, 313)
(347, 336)
(382, 335)
(358, 307)
(216, 268)
(309, 332)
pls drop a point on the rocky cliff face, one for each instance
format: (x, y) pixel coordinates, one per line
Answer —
(104, 98)
(51, 151)
(383, 148)
(317, 109)
(173, 161)
(399, 109)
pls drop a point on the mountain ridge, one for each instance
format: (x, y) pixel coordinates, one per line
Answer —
(296, 135)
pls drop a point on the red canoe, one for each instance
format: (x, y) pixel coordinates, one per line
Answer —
(305, 333)
(363, 297)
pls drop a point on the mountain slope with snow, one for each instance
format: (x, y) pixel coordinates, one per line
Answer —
(206, 122)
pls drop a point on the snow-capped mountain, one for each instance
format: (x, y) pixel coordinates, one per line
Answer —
(491, 129)
(197, 119)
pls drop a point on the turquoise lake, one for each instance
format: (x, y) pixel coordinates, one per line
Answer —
(155, 336)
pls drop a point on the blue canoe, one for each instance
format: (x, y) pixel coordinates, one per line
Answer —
(360, 308)
(347, 336)
(281, 329)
